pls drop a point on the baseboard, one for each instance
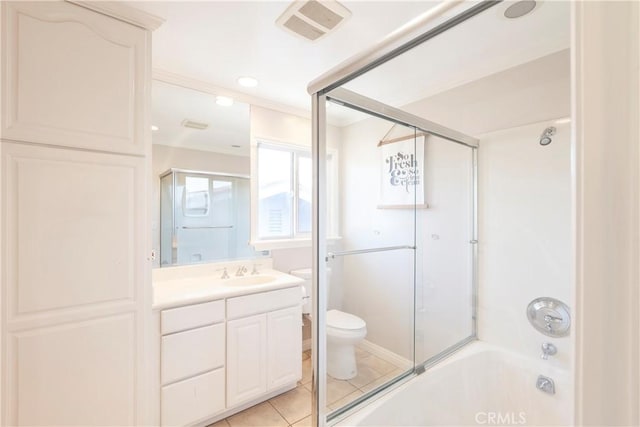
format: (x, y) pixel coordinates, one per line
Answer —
(385, 354)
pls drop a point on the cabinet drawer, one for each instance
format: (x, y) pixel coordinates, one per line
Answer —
(263, 302)
(192, 400)
(192, 352)
(191, 316)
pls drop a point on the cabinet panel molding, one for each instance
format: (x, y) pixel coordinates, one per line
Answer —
(284, 335)
(73, 78)
(81, 373)
(77, 216)
(246, 359)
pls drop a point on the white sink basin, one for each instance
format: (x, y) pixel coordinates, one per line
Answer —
(249, 280)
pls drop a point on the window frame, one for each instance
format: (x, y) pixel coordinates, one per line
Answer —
(296, 238)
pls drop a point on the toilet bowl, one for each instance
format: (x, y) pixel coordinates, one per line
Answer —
(344, 331)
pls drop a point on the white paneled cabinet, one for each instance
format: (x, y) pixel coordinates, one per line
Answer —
(75, 78)
(247, 358)
(213, 365)
(75, 300)
(283, 348)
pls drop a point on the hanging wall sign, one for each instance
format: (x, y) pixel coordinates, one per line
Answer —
(402, 173)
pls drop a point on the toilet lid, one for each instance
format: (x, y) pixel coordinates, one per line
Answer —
(341, 320)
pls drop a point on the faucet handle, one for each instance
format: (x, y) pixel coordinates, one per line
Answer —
(255, 269)
(225, 275)
(241, 270)
(548, 349)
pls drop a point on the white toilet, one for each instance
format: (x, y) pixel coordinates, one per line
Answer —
(344, 331)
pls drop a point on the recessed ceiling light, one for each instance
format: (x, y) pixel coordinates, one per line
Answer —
(563, 120)
(520, 8)
(247, 81)
(224, 101)
(154, 128)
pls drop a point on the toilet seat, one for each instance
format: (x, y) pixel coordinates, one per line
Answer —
(344, 323)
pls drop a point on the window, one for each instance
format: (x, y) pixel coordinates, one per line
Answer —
(284, 191)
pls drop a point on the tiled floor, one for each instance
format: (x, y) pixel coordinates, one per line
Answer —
(293, 408)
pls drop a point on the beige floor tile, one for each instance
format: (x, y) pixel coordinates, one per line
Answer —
(293, 405)
(221, 423)
(306, 371)
(337, 389)
(305, 422)
(346, 400)
(262, 415)
(361, 354)
(365, 375)
(377, 364)
(381, 380)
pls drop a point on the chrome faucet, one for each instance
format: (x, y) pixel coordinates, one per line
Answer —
(241, 270)
(255, 269)
(548, 349)
(225, 275)
(545, 384)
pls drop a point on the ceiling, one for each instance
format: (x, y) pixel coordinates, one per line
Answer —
(218, 41)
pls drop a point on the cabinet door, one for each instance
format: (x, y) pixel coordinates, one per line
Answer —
(284, 334)
(246, 358)
(74, 78)
(74, 286)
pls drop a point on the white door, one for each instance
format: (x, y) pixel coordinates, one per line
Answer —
(246, 358)
(284, 334)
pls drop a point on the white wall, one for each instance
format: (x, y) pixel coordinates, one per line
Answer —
(525, 233)
(380, 287)
(165, 157)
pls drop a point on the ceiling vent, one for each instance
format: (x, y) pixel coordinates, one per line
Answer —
(194, 125)
(313, 19)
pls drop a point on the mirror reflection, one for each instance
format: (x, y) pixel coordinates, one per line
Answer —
(201, 176)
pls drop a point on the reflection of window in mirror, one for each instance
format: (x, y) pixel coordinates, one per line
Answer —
(196, 196)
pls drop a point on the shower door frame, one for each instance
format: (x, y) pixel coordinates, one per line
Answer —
(378, 109)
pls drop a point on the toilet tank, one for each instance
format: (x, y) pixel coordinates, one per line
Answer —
(305, 274)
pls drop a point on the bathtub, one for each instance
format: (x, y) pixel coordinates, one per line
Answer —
(479, 385)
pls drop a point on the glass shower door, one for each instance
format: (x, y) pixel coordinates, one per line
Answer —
(400, 282)
(370, 325)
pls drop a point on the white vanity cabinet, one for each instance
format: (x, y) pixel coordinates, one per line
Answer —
(264, 343)
(192, 363)
(218, 357)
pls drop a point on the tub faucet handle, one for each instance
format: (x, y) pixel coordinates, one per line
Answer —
(548, 349)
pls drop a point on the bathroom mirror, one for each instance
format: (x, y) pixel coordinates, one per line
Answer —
(200, 173)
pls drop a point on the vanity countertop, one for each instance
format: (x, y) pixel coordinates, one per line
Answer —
(175, 292)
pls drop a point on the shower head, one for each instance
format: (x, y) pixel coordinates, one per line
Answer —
(545, 138)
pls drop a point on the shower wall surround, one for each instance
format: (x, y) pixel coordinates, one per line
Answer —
(534, 235)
